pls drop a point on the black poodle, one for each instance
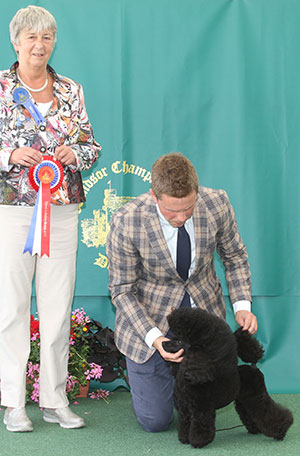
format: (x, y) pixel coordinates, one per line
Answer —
(209, 378)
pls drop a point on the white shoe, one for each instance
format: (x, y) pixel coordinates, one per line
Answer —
(16, 420)
(64, 417)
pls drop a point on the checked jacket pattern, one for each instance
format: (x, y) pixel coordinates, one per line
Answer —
(144, 284)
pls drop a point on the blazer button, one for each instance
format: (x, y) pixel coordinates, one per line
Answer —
(42, 127)
(43, 149)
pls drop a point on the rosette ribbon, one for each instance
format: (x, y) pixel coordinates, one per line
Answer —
(22, 97)
(45, 178)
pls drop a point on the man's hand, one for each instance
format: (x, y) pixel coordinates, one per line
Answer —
(65, 155)
(173, 357)
(247, 321)
(25, 156)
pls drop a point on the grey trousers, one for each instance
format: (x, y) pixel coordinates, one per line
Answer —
(152, 386)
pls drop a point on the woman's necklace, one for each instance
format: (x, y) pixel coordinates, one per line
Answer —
(29, 88)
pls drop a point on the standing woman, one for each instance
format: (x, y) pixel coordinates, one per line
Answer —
(65, 134)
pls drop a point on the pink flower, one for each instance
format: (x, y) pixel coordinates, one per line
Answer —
(33, 370)
(79, 316)
(95, 372)
(99, 394)
(35, 391)
(71, 382)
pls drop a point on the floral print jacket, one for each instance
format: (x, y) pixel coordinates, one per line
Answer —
(66, 123)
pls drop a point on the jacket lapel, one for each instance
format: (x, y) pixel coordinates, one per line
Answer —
(157, 240)
(201, 233)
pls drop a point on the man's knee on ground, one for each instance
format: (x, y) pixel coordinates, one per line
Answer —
(155, 425)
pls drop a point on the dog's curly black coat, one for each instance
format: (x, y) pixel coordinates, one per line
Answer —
(209, 378)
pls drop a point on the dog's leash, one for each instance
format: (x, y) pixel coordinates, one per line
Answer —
(230, 428)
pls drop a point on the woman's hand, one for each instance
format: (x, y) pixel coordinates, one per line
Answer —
(65, 155)
(25, 156)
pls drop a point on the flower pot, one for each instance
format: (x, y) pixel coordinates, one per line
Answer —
(84, 389)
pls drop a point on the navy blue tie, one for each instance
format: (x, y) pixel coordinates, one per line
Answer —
(183, 260)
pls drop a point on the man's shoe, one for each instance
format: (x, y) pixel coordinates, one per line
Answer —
(16, 420)
(64, 417)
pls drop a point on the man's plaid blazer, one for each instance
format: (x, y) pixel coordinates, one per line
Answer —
(143, 280)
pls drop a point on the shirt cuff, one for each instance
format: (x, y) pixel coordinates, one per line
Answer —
(151, 335)
(242, 305)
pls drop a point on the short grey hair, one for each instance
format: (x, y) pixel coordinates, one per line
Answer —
(31, 18)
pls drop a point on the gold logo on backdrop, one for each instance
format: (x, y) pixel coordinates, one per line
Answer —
(95, 230)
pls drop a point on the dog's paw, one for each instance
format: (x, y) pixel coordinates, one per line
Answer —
(183, 434)
(278, 428)
(200, 443)
(183, 440)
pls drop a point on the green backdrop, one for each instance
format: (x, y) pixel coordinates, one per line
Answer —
(219, 81)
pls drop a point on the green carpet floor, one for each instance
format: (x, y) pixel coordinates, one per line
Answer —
(112, 431)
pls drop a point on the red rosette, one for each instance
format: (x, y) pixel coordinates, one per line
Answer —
(50, 171)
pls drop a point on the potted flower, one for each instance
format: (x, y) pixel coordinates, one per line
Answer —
(80, 369)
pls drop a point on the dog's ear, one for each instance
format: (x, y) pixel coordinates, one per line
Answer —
(199, 375)
(197, 368)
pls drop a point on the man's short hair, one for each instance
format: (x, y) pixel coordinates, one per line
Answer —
(174, 175)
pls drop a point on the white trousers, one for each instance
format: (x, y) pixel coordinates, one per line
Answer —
(54, 283)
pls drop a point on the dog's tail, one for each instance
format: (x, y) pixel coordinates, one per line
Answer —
(248, 348)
